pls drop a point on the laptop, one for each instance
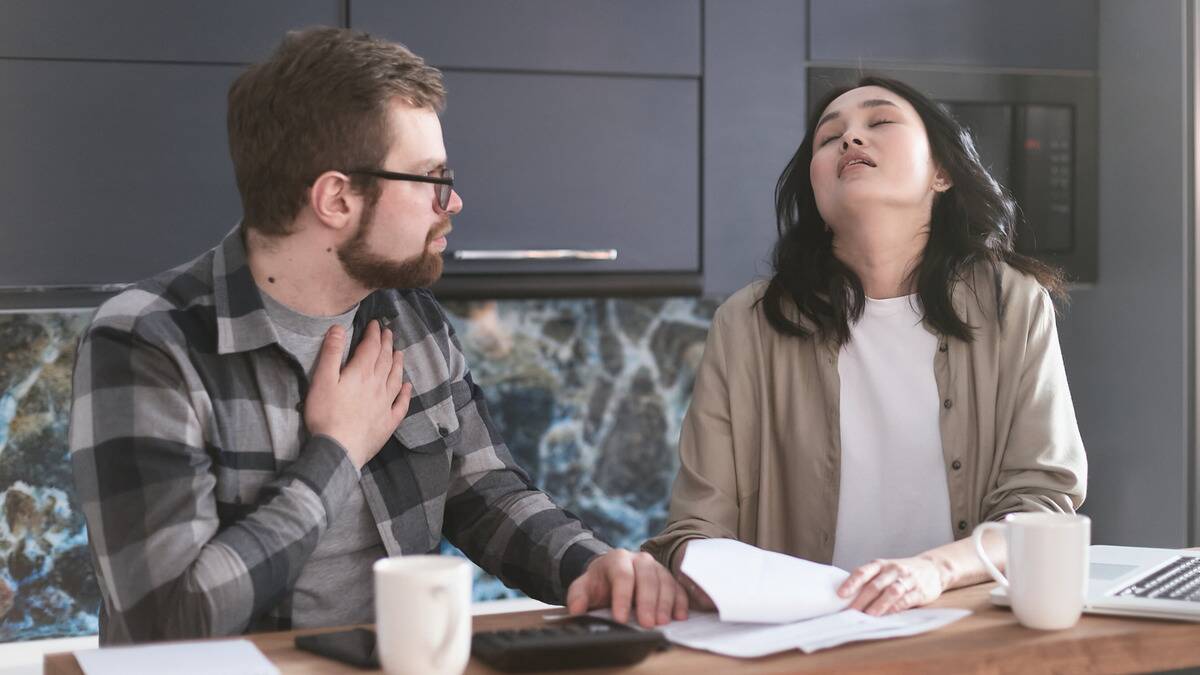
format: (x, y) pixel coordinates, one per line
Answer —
(1160, 583)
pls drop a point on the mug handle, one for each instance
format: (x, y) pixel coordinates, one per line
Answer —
(439, 594)
(977, 539)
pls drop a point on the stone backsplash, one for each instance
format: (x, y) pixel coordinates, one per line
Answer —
(589, 395)
(47, 587)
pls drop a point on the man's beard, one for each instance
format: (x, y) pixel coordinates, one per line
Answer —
(375, 271)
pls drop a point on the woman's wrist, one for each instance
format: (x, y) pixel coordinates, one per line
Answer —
(943, 565)
(957, 563)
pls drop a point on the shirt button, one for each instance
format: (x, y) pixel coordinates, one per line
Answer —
(300, 406)
(443, 431)
(947, 404)
(956, 465)
(962, 524)
(943, 347)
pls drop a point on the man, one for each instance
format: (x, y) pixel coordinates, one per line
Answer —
(253, 429)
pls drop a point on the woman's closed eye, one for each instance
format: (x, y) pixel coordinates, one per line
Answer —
(826, 140)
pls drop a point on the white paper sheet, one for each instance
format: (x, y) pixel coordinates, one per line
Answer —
(750, 585)
(220, 657)
(901, 624)
(750, 640)
(770, 602)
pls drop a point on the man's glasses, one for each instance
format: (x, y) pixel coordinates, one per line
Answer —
(444, 183)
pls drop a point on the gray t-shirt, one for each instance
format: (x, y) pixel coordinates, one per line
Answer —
(335, 586)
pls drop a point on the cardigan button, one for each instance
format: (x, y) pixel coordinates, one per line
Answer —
(943, 347)
(947, 404)
(962, 524)
(956, 465)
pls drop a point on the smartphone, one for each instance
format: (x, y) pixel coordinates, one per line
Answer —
(356, 647)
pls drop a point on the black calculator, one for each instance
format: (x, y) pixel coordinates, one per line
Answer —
(575, 642)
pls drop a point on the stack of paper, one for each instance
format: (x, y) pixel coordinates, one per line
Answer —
(749, 640)
(769, 602)
(748, 584)
(218, 657)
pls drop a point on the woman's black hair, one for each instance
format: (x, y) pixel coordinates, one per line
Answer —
(972, 223)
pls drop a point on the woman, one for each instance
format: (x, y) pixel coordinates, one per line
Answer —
(898, 380)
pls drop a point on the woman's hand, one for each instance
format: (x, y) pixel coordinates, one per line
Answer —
(886, 586)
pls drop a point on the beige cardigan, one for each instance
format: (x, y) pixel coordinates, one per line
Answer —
(760, 449)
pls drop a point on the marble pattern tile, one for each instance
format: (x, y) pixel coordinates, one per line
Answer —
(589, 395)
(47, 587)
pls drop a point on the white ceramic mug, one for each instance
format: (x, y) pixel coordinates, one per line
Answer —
(423, 614)
(1047, 566)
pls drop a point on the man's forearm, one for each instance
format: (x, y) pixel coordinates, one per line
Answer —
(182, 578)
(495, 529)
(496, 516)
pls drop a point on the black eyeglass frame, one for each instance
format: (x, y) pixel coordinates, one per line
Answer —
(445, 181)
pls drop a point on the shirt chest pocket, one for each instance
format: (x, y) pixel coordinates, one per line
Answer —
(419, 475)
(432, 430)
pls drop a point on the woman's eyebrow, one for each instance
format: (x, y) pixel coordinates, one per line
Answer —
(877, 102)
(826, 117)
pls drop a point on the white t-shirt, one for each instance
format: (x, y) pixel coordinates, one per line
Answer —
(894, 500)
(335, 586)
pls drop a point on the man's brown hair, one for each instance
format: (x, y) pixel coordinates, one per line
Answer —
(319, 103)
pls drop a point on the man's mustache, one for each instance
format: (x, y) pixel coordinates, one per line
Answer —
(441, 230)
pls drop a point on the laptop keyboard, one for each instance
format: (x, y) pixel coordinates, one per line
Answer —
(1179, 579)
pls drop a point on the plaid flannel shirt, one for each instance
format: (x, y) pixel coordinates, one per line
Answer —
(204, 494)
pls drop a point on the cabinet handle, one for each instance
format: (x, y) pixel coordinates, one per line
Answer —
(536, 254)
(68, 288)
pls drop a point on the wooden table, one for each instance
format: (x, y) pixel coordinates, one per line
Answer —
(990, 640)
